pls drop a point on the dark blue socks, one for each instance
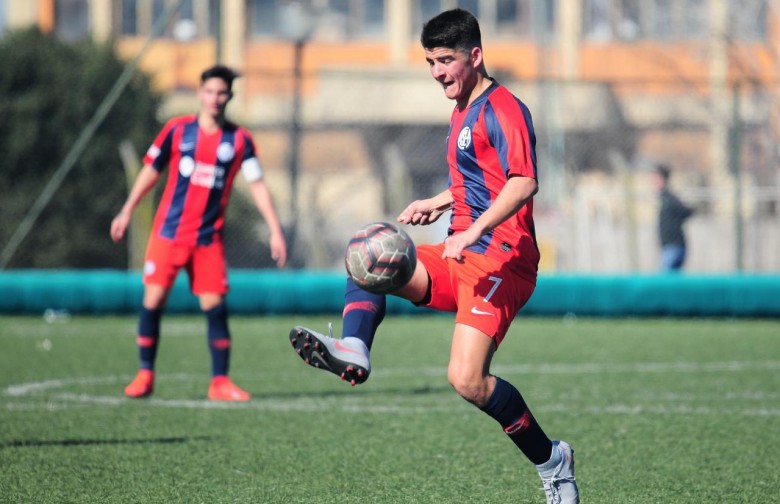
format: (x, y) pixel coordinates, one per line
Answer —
(148, 336)
(219, 339)
(508, 407)
(363, 312)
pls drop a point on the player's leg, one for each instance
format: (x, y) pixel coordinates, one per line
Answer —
(208, 274)
(469, 374)
(162, 263)
(490, 297)
(363, 312)
(349, 357)
(222, 387)
(148, 339)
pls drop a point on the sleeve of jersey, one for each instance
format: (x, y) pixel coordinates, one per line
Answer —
(511, 132)
(250, 165)
(159, 152)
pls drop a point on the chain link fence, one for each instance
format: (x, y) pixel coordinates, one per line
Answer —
(597, 146)
(364, 158)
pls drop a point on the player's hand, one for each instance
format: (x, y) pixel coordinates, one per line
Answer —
(278, 249)
(119, 226)
(420, 212)
(455, 244)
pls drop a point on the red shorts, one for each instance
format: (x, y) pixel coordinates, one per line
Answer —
(205, 265)
(483, 293)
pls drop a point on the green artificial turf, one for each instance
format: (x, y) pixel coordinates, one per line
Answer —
(657, 410)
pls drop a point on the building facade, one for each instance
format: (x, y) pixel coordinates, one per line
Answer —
(614, 85)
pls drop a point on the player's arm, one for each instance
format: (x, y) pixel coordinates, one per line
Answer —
(144, 182)
(514, 195)
(428, 210)
(265, 205)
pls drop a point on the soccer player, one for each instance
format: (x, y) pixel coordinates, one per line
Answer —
(485, 270)
(203, 154)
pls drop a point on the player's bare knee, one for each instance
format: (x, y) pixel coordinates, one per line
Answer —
(469, 387)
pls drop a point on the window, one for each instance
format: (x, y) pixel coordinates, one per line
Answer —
(497, 18)
(748, 19)
(71, 19)
(331, 19)
(697, 18)
(2, 16)
(608, 20)
(263, 17)
(195, 18)
(128, 18)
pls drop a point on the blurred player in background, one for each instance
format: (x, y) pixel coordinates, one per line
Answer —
(672, 215)
(485, 270)
(203, 154)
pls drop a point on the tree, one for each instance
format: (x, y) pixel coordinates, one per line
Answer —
(50, 91)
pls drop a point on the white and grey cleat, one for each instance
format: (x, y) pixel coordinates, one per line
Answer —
(558, 481)
(347, 358)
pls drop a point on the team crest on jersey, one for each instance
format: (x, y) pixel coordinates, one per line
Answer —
(225, 152)
(186, 166)
(464, 139)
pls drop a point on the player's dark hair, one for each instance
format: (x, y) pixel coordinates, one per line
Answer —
(454, 29)
(220, 72)
(663, 171)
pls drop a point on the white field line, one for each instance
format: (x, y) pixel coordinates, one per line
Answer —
(307, 405)
(601, 368)
(49, 394)
(25, 389)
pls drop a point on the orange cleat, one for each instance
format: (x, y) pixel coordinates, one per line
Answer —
(142, 385)
(223, 389)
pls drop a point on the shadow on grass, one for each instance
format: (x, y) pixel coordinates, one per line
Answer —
(352, 391)
(33, 443)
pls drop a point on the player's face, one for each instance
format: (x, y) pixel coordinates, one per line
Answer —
(455, 70)
(214, 96)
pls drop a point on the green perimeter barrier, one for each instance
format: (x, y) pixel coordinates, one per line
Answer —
(321, 292)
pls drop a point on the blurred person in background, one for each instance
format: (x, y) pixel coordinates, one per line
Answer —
(672, 215)
(203, 153)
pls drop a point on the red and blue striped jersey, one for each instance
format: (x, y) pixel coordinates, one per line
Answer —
(488, 142)
(202, 167)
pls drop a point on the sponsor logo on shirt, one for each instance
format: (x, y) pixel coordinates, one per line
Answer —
(202, 174)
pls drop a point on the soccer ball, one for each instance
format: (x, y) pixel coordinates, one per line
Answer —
(380, 258)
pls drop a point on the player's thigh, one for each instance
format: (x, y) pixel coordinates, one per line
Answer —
(431, 265)
(208, 269)
(471, 351)
(164, 259)
(489, 295)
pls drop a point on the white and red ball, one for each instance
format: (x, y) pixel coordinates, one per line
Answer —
(380, 257)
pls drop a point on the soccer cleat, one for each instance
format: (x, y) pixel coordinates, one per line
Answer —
(142, 385)
(347, 358)
(223, 389)
(558, 482)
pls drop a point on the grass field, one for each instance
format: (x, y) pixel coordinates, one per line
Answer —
(658, 411)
